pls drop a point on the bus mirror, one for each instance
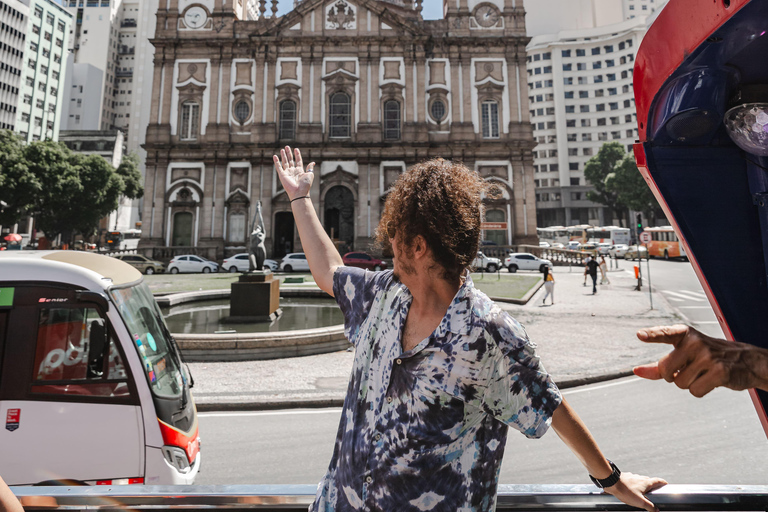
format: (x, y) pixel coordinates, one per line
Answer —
(95, 297)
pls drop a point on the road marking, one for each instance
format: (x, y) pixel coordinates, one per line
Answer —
(684, 296)
(269, 413)
(592, 388)
(698, 295)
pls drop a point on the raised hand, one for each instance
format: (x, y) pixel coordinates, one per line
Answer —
(700, 363)
(296, 181)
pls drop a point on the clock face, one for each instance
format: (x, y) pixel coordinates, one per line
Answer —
(195, 17)
(487, 15)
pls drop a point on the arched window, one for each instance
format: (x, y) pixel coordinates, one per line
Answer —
(437, 110)
(190, 120)
(340, 115)
(288, 119)
(490, 119)
(392, 120)
(242, 111)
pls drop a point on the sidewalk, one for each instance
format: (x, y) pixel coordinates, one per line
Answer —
(583, 338)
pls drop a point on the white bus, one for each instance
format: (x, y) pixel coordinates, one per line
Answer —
(553, 235)
(613, 235)
(123, 240)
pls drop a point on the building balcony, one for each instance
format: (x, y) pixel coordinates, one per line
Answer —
(128, 23)
(124, 72)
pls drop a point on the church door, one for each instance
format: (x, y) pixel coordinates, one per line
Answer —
(340, 217)
(182, 229)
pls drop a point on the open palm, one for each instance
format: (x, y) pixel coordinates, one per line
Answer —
(290, 169)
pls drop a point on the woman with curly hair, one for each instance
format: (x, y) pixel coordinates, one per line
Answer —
(440, 371)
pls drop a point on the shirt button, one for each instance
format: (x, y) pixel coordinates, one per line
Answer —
(378, 437)
(389, 399)
(399, 361)
(368, 479)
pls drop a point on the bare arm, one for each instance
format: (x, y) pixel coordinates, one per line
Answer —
(8, 500)
(322, 256)
(630, 489)
(699, 363)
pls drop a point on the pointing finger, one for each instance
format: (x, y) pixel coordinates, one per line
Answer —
(663, 334)
(647, 371)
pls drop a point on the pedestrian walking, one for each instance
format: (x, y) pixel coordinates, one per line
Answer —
(549, 286)
(604, 271)
(440, 370)
(591, 269)
(586, 262)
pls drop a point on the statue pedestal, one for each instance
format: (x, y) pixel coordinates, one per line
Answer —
(255, 298)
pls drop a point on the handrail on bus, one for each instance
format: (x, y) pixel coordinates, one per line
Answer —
(547, 498)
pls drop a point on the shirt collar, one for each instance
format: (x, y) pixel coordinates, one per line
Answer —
(459, 317)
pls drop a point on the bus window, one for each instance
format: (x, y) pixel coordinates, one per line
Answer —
(75, 355)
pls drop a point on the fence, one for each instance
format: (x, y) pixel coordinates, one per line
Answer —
(558, 257)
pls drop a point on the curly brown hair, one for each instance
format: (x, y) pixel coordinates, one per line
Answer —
(441, 201)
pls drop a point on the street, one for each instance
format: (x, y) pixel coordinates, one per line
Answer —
(645, 427)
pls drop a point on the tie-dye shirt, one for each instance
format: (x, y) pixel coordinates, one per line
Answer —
(425, 429)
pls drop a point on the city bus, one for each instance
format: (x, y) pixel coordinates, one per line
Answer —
(553, 235)
(664, 243)
(613, 235)
(578, 233)
(122, 240)
(93, 388)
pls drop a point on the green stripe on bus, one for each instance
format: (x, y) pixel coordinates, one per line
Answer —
(6, 296)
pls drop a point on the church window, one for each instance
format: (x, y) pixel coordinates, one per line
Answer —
(490, 119)
(288, 119)
(437, 110)
(190, 120)
(340, 115)
(242, 111)
(392, 120)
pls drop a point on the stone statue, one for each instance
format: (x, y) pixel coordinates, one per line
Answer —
(257, 253)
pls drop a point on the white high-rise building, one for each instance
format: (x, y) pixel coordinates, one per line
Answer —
(581, 96)
(93, 51)
(552, 16)
(13, 29)
(39, 114)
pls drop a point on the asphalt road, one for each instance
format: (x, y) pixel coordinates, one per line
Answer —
(645, 427)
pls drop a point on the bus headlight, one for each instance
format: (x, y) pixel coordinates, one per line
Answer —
(177, 458)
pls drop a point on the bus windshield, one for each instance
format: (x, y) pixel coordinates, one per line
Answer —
(152, 339)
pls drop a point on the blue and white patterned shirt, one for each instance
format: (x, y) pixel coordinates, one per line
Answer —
(425, 429)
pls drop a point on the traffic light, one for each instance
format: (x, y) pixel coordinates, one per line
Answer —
(639, 217)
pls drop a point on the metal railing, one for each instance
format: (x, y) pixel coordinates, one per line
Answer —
(558, 257)
(547, 498)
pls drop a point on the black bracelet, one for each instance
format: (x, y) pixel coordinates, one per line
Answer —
(297, 198)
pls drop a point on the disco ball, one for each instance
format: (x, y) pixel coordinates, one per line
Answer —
(748, 127)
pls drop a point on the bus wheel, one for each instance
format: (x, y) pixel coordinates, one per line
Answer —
(666, 255)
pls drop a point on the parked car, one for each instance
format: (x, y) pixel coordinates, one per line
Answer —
(192, 263)
(240, 263)
(525, 261)
(141, 263)
(544, 244)
(363, 260)
(588, 247)
(603, 248)
(632, 253)
(483, 262)
(618, 250)
(294, 261)
(558, 245)
(573, 245)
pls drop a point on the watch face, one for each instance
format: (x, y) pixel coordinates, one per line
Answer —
(487, 15)
(195, 17)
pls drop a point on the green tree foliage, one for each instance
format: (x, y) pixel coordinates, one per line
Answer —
(632, 190)
(18, 185)
(599, 172)
(67, 193)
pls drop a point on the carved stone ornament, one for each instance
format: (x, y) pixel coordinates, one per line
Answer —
(495, 192)
(192, 69)
(341, 15)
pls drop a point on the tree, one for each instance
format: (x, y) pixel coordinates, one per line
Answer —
(633, 192)
(18, 185)
(129, 171)
(599, 172)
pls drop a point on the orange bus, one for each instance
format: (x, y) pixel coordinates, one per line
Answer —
(664, 243)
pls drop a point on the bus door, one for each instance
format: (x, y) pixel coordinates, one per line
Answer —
(70, 406)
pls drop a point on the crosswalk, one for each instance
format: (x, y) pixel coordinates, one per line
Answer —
(685, 295)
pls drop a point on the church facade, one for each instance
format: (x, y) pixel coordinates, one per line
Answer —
(365, 88)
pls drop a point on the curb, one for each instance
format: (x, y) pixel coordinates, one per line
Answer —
(269, 405)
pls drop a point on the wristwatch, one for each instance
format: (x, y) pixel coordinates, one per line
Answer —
(610, 480)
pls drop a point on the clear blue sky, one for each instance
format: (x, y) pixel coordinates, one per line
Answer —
(431, 9)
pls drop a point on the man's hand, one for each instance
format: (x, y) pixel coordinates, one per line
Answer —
(295, 180)
(700, 363)
(631, 489)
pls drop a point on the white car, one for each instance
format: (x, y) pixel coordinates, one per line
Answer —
(573, 245)
(618, 250)
(192, 263)
(525, 261)
(240, 263)
(486, 263)
(604, 248)
(544, 244)
(294, 261)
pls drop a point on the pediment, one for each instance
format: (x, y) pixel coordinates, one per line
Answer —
(339, 175)
(340, 75)
(342, 17)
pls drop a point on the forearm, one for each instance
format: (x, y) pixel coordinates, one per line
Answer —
(322, 256)
(755, 361)
(577, 437)
(8, 500)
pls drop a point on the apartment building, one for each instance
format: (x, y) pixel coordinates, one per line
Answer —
(41, 91)
(13, 28)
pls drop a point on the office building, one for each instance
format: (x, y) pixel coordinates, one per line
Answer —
(13, 30)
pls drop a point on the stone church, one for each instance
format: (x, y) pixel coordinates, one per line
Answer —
(365, 88)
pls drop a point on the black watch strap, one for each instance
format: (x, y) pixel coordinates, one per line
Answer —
(611, 480)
